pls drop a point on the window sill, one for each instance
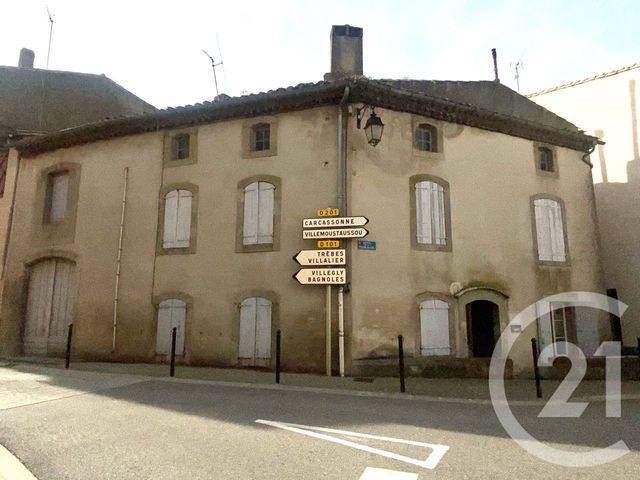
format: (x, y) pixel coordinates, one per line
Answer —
(545, 173)
(177, 251)
(431, 248)
(259, 247)
(272, 152)
(428, 155)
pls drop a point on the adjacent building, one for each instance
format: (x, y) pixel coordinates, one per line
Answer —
(479, 201)
(606, 106)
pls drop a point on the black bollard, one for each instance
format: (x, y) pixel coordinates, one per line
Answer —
(67, 358)
(401, 363)
(278, 356)
(536, 371)
(172, 370)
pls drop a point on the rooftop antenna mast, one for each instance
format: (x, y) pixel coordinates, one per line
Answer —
(213, 66)
(50, 34)
(519, 65)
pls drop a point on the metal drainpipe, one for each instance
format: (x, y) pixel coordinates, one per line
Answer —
(118, 260)
(342, 205)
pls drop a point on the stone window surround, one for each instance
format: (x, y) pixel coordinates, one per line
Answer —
(534, 230)
(168, 153)
(62, 231)
(438, 125)
(247, 137)
(160, 250)
(274, 298)
(554, 155)
(413, 180)
(188, 320)
(452, 319)
(277, 203)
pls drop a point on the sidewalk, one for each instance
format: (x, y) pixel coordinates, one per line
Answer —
(454, 388)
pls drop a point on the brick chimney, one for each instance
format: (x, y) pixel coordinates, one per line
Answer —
(346, 52)
(26, 58)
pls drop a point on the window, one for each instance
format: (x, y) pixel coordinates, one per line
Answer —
(254, 344)
(431, 228)
(549, 230)
(171, 314)
(426, 138)
(258, 213)
(57, 196)
(181, 147)
(545, 160)
(434, 328)
(177, 219)
(261, 137)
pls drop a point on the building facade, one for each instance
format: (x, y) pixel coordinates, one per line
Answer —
(189, 218)
(606, 106)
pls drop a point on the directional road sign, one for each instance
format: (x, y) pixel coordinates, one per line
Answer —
(356, 232)
(334, 222)
(322, 276)
(310, 258)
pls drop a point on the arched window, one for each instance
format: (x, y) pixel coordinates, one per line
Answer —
(431, 215)
(545, 160)
(172, 314)
(434, 328)
(258, 213)
(254, 343)
(260, 137)
(177, 219)
(426, 138)
(549, 230)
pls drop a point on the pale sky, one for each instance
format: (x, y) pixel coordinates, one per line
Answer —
(154, 48)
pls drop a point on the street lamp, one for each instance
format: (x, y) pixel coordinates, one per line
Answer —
(374, 126)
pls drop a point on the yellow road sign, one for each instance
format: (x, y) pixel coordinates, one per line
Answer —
(328, 212)
(328, 243)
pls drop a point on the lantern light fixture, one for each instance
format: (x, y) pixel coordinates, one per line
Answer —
(373, 128)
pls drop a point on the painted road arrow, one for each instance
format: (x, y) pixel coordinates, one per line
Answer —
(334, 222)
(335, 233)
(310, 258)
(322, 276)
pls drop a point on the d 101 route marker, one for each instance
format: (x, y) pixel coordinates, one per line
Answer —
(310, 258)
(328, 243)
(334, 222)
(321, 276)
(357, 232)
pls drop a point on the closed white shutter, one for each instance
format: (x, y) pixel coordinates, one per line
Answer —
(434, 328)
(265, 212)
(177, 219)
(549, 230)
(61, 308)
(545, 332)
(59, 192)
(430, 214)
(39, 302)
(171, 313)
(250, 226)
(247, 340)
(263, 329)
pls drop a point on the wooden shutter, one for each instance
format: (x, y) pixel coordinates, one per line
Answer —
(430, 214)
(59, 192)
(549, 230)
(183, 224)
(39, 301)
(62, 306)
(170, 219)
(247, 339)
(263, 328)
(434, 328)
(265, 212)
(545, 331)
(250, 223)
(171, 313)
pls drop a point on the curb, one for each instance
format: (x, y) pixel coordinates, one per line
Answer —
(11, 468)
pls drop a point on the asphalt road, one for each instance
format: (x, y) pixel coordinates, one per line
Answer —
(83, 425)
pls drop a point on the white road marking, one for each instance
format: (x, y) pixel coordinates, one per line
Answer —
(430, 462)
(371, 473)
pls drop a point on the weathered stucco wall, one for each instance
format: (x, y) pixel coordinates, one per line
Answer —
(492, 177)
(608, 108)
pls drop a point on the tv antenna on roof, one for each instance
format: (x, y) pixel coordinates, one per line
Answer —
(50, 34)
(519, 65)
(213, 66)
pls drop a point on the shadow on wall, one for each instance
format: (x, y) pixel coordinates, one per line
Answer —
(618, 206)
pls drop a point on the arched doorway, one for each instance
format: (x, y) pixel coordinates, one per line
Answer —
(483, 327)
(50, 301)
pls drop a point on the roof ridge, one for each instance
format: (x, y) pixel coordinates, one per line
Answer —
(584, 80)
